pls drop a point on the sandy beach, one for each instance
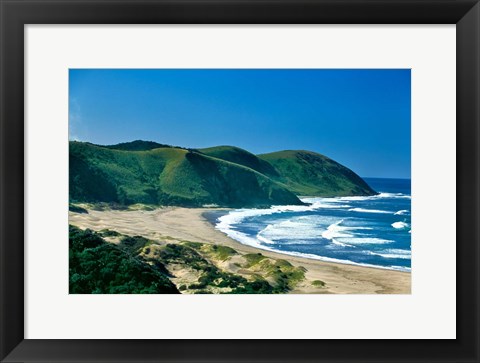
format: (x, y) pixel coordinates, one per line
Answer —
(178, 224)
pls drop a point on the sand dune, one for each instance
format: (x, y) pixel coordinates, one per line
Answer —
(177, 224)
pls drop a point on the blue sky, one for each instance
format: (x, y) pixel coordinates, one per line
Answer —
(360, 118)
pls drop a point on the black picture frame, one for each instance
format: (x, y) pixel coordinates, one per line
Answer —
(17, 13)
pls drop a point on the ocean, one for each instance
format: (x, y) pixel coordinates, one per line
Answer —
(370, 231)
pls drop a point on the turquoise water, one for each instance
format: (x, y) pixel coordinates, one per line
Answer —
(372, 231)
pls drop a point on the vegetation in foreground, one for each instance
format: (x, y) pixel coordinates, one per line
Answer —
(98, 267)
(156, 174)
(136, 265)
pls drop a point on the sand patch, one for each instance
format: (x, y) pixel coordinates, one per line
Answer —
(173, 225)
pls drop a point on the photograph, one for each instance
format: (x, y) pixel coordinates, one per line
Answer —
(240, 181)
(311, 166)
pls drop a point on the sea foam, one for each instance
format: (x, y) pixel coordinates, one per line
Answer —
(393, 253)
(364, 210)
(366, 240)
(339, 228)
(399, 225)
(290, 231)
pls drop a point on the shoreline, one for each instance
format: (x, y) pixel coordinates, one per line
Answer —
(214, 214)
(180, 224)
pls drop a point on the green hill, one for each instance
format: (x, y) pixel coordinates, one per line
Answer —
(168, 176)
(311, 174)
(242, 157)
(302, 172)
(151, 173)
(137, 145)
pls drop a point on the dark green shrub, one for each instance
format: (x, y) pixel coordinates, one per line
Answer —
(98, 267)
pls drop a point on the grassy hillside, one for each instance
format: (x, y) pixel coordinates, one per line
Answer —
(311, 174)
(226, 176)
(168, 176)
(242, 157)
(137, 145)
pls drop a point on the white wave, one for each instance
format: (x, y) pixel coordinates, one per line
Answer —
(288, 224)
(399, 225)
(403, 257)
(338, 235)
(401, 212)
(335, 231)
(393, 253)
(264, 240)
(358, 198)
(401, 268)
(311, 200)
(302, 228)
(320, 205)
(325, 203)
(289, 230)
(336, 242)
(290, 208)
(247, 240)
(366, 240)
(363, 210)
(226, 224)
(394, 195)
(238, 215)
(242, 238)
(352, 199)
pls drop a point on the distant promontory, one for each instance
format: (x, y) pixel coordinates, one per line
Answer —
(225, 176)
